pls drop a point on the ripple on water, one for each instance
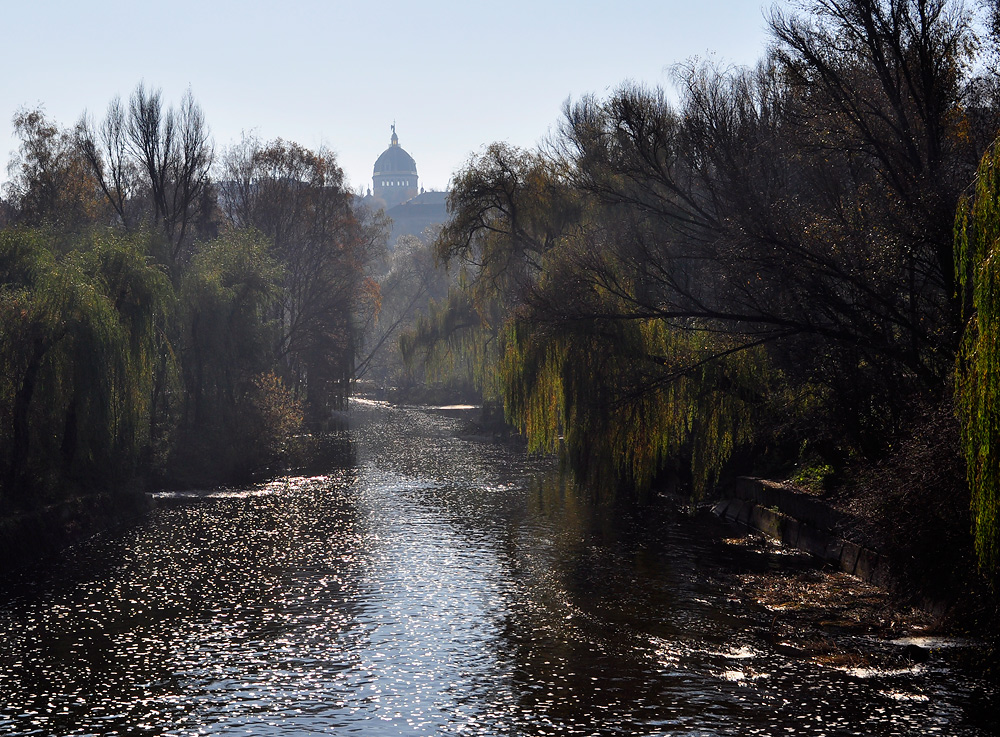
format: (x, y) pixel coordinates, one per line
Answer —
(439, 586)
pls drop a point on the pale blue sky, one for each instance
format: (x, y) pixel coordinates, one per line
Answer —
(454, 76)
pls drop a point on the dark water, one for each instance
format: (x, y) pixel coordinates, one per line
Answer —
(432, 585)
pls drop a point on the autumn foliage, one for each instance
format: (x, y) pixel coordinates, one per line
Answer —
(160, 321)
(758, 275)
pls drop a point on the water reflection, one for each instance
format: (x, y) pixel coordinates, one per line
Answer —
(435, 584)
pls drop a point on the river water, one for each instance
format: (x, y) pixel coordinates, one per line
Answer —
(437, 583)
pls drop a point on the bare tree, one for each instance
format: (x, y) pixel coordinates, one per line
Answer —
(407, 284)
(107, 153)
(296, 197)
(175, 153)
(153, 162)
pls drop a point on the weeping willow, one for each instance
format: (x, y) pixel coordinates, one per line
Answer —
(509, 209)
(977, 382)
(228, 296)
(457, 342)
(81, 329)
(627, 400)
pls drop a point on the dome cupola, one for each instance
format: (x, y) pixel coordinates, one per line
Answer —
(395, 174)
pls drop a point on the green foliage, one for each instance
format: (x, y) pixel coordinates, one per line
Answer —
(813, 475)
(153, 345)
(627, 400)
(233, 282)
(548, 318)
(455, 345)
(977, 386)
(227, 299)
(509, 208)
(78, 336)
(84, 356)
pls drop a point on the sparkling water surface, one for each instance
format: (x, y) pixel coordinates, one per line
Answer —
(433, 583)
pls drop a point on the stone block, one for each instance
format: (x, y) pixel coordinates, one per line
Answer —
(719, 510)
(834, 549)
(866, 565)
(767, 521)
(849, 557)
(880, 575)
(811, 540)
(790, 532)
(743, 513)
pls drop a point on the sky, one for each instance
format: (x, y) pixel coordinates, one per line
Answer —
(453, 76)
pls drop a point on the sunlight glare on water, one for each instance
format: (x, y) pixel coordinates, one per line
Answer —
(434, 584)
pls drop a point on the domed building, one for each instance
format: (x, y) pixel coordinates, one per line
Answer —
(395, 191)
(395, 175)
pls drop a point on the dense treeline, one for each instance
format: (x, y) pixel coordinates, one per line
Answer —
(758, 277)
(168, 314)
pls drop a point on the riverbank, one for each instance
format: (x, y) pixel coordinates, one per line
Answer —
(848, 588)
(31, 535)
(902, 522)
(858, 585)
(441, 584)
(799, 519)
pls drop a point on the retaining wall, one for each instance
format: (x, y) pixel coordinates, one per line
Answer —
(801, 521)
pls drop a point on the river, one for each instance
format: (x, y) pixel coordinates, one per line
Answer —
(433, 582)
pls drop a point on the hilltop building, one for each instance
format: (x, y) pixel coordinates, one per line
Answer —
(395, 189)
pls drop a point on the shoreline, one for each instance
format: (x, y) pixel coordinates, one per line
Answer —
(31, 536)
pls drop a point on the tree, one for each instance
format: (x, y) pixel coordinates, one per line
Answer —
(160, 154)
(297, 199)
(784, 231)
(977, 234)
(886, 81)
(227, 299)
(508, 208)
(805, 203)
(107, 153)
(50, 181)
(80, 330)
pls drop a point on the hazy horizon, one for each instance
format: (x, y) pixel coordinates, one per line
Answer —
(453, 77)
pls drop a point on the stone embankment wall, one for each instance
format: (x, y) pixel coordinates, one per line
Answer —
(802, 521)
